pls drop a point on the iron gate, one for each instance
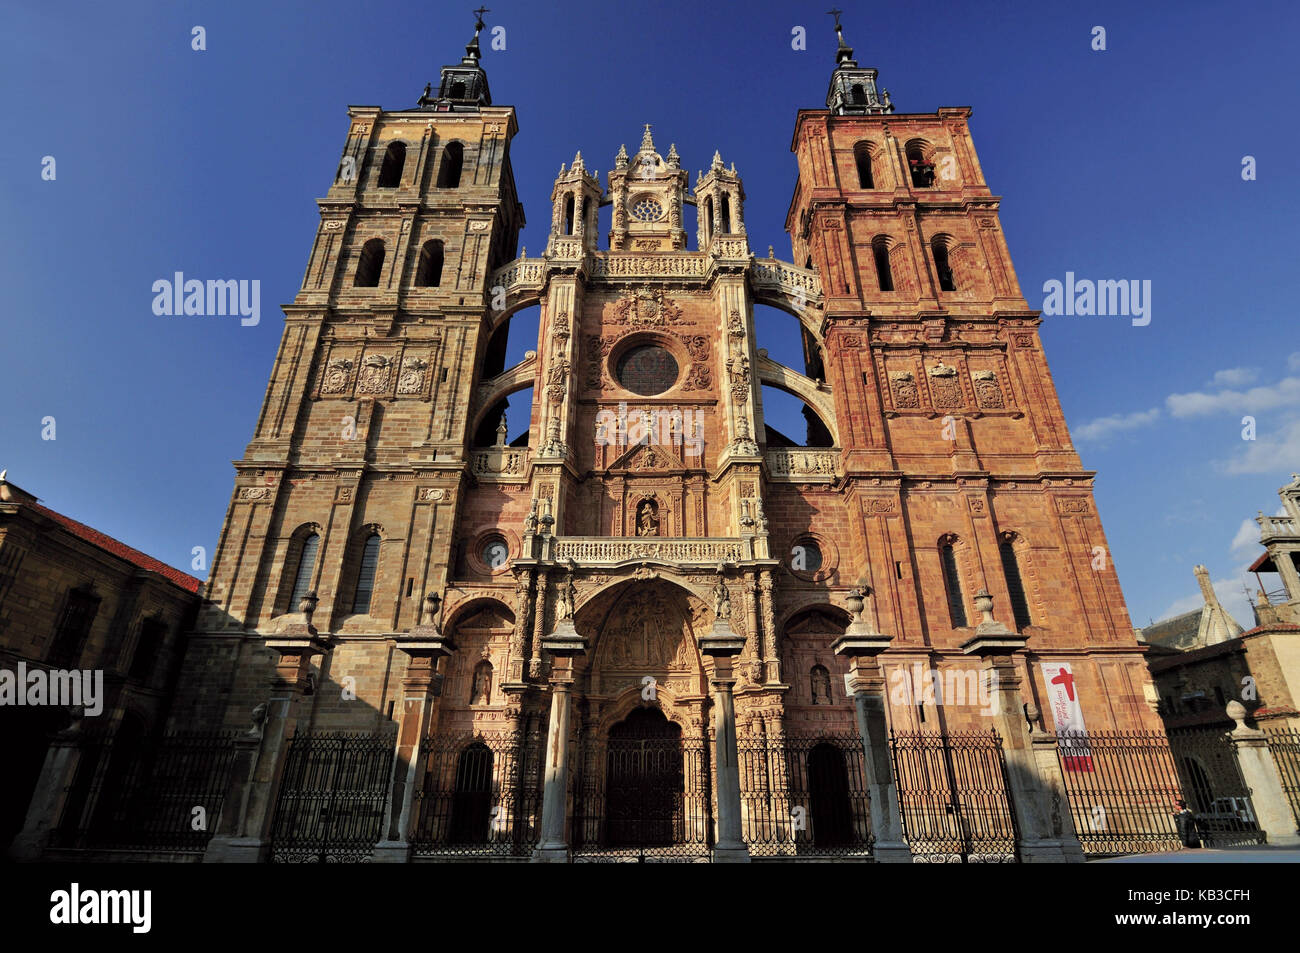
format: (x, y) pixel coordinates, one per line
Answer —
(1214, 788)
(332, 797)
(952, 793)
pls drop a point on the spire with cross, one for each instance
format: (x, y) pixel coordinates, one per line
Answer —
(853, 88)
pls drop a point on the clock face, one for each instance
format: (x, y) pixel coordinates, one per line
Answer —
(495, 554)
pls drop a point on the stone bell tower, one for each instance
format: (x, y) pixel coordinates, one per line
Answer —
(351, 486)
(959, 475)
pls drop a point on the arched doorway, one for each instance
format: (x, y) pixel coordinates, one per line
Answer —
(828, 795)
(645, 781)
(471, 805)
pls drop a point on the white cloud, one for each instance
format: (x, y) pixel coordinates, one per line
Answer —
(1231, 596)
(1105, 427)
(1285, 393)
(1247, 538)
(1235, 377)
(1268, 452)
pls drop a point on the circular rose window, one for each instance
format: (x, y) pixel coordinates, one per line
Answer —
(647, 210)
(647, 369)
(494, 553)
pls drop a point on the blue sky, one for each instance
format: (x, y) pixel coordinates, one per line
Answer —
(1122, 163)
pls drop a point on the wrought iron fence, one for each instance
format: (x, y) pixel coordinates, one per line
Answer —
(138, 793)
(1284, 743)
(1123, 791)
(952, 794)
(332, 797)
(804, 796)
(477, 796)
(642, 799)
(1214, 788)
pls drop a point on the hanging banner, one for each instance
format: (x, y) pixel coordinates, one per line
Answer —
(1067, 716)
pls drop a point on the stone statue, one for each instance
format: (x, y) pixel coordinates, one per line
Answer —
(481, 690)
(821, 685)
(647, 518)
(566, 597)
(721, 599)
(259, 720)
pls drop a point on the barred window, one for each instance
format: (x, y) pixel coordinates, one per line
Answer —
(366, 576)
(306, 564)
(952, 582)
(1015, 586)
(73, 628)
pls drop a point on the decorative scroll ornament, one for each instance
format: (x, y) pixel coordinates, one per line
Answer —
(647, 308)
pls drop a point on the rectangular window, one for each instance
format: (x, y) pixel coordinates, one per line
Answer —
(147, 649)
(73, 629)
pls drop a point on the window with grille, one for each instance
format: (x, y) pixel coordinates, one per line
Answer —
(1015, 587)
(366, 576)
(952, 582)
(73, 628)
(147, 650)
(302, 578)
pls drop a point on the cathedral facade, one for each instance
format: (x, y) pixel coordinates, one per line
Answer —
(390, 562)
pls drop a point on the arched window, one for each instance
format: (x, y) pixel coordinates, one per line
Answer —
(471, 806)
(457, 91)
(952, 583)
(941, 265)
(726, 214)
(370, 264)
(922, 169)
(828, 793)
(303, 573)
(390, 173)
(859, 95)
(453, 156)
(1015, 585)
(568, 214)
(428, 273)
(708, 217)
(366, 575)
(880, 250)
(862, 155)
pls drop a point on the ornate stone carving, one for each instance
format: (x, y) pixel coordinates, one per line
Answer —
(987, 392)
(738, 370)
(945, 388)
(647, 308)
(336, 376)
(905, 393)
(253, 494)
(411, 379)
(374, 375)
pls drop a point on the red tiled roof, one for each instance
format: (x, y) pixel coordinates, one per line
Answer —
(121, 550)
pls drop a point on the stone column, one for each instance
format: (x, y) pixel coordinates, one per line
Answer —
(48, 799)
(564, 644)
(424, 645)
(861, 644)
(539, 623)
(1043, 838)
(722, 644)
(296, 643)
(1259, 771)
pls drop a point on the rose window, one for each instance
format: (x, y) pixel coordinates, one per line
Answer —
(647, 210)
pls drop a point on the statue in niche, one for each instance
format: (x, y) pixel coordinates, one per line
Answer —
(481, 689)
(721, 600)
(821, 685)
(647, 518)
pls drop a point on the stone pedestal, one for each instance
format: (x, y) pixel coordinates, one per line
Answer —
(564, 644)
(1259, 771)
(861, 646)
(249, 839)
(723, 645)
(49, 796)
(424, 645)
(1035, 786)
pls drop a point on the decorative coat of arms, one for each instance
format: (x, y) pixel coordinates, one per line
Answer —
(374, 374)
